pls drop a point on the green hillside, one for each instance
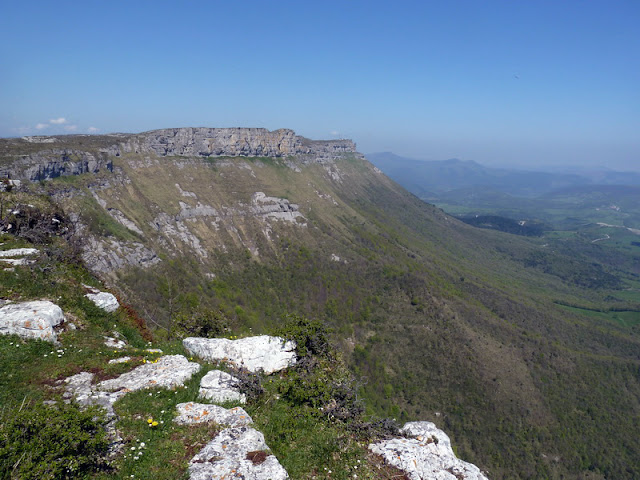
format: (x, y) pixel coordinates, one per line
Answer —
(489, 335)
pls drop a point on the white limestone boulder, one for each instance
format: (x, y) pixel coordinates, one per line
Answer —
(260, 353)
(193, 413)
(104, 300)
(31, 320)
(169, 371)
(219, 386)
(427, 455)
(239, 452)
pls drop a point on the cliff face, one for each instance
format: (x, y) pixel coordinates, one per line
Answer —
(236, 142)
(53, 163)
(76, 154)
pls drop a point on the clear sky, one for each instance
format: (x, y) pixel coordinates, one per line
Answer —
(514, 82)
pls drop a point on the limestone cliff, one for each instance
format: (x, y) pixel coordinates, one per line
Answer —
(236, 142)
(52, 157)
(52, 163)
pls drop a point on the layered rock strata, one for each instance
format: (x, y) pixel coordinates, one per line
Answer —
(236, 142)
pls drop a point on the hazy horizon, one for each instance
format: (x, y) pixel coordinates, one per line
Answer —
(500, 83)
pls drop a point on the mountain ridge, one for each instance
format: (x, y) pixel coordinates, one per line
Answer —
(429, 178)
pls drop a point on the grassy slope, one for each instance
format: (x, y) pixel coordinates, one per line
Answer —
(434, 315)
(31, 371)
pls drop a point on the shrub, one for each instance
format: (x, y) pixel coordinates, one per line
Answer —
(310, 336)
(319, 379)
(248, 382)
(38, 441)
(203, 322)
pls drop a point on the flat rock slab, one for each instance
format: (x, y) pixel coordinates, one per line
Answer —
(236, 453)
(193, 413)
(18, 252)
(104, 300)
(80, 388)
(31, 319)
(169, 371)
(219, 386)
(428, 455)
(261, 353)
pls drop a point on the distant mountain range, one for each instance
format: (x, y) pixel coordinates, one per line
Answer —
(432, 178)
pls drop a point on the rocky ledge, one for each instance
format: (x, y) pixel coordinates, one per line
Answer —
(425, 453)
(52, 163)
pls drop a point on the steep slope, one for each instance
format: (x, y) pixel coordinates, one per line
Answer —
(441, 321)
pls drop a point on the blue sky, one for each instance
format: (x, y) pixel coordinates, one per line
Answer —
(511, 83)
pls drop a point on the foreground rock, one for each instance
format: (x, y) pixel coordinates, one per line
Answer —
(169, 371)
(427, 455)
(80, 388)
(31, 320)
(260, 353)
(193, 413)
(236, 453)
(219, 386)
(104, 300)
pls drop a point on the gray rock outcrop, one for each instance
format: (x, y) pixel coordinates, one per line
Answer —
(80, 388)
(104, 300)
(193, 413)
(260, 353)
(426, 455)
(9, 256)
(18, 252)
(278, 208)
(169, 371)
(48, 164)
(31, 320)
(105, 255)
(239, 452)
(234, 142)
(219, 386)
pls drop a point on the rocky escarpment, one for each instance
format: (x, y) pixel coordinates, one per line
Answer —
(48, 164)
(77, 154)
(236, 142)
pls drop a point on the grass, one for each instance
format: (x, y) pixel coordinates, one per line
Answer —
(307, 446)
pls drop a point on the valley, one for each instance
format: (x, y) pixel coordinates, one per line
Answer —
(525, 350)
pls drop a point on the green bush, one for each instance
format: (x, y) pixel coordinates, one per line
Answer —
(310, 336)
(39, 441)
(319, 379)
(203, 322)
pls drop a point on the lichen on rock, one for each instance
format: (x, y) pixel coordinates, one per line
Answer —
(31, 320)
